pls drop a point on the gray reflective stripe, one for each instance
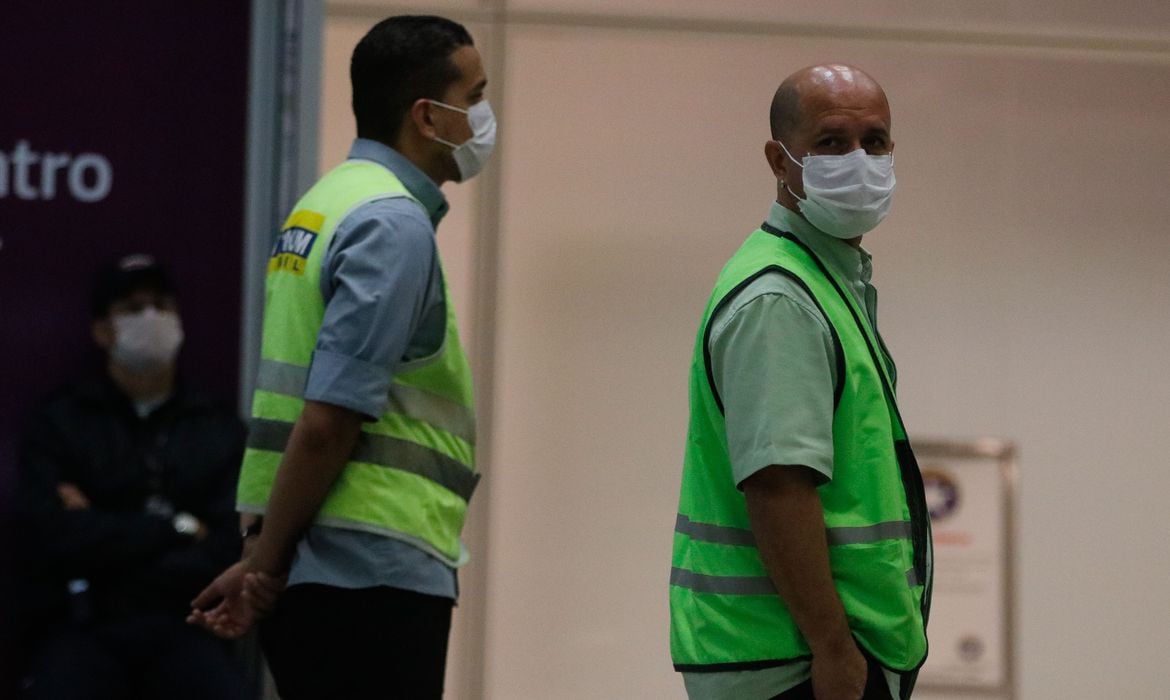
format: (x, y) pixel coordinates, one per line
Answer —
(893, 530)
(281, 378)
(723, 534)
(719, 534)
(912, 578)
(290, 380)
(727, 585)
(435, 410)
(272, 435)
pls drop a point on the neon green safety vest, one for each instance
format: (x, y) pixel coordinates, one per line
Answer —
(725, 611)
(412, 471)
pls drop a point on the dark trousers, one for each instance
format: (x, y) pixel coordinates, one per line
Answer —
(333, 643)
(149, 658)
(876, 687)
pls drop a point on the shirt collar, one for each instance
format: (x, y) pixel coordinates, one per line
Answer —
(416, 181)
(855, 265)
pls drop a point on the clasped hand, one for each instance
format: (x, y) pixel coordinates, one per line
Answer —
(236, 600)
(840, 674)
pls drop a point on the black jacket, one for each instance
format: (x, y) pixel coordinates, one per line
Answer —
(185, 455)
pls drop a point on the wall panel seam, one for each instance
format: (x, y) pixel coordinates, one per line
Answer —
(1131, 45)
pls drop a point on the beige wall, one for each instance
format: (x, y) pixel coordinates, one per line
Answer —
(1022, 276)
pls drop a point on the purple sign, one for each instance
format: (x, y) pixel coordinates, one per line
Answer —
(122, 129)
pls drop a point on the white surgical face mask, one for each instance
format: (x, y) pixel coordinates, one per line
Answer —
(845, 196)
(147, 340)
(473, 154)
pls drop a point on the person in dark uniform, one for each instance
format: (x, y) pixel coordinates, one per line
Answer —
(126, 495)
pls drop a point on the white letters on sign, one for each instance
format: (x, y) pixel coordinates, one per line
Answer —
(27, 174)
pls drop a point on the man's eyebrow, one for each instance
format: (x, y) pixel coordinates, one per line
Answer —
(828, 131)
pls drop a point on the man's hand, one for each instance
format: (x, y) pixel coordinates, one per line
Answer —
(789, 524)
(233, 616)
(72, 497)
(321, 442)
(839, 675)
(244, 597)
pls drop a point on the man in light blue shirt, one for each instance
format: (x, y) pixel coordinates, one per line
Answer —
(366, 614)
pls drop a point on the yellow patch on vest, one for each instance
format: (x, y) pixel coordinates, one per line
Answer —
(290, 251)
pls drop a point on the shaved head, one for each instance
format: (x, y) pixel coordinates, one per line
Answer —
(788, 104)
(824, 110)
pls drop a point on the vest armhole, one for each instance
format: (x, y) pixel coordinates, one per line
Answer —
(418, 363)
(838, 353)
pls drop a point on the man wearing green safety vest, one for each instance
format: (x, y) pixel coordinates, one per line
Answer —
(802, 558)
(361, 450)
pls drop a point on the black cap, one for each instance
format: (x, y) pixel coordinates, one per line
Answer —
(120, 279)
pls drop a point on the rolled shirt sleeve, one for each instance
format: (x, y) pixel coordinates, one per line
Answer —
(773, 362)
(375, 281)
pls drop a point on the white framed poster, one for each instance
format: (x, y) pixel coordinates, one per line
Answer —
(970, 492)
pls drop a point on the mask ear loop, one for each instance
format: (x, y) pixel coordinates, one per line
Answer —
(799, 164)
(789, 154)
(453, 108)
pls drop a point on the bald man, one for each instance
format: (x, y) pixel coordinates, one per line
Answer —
(802, 556)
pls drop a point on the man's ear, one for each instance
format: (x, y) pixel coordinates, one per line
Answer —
(420, 119)
(103, 333)
(777, 161)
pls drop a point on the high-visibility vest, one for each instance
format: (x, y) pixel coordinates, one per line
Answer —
(725, 611)
(412, 471)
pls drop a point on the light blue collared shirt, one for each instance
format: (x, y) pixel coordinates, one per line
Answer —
(384, 305)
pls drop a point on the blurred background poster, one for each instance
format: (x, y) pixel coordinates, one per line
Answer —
(969, 492)
(122, 130)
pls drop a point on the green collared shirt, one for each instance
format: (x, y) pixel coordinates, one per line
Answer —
(774, 361)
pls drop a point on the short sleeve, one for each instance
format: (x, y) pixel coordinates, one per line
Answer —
(374, 280)
(774, 365)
